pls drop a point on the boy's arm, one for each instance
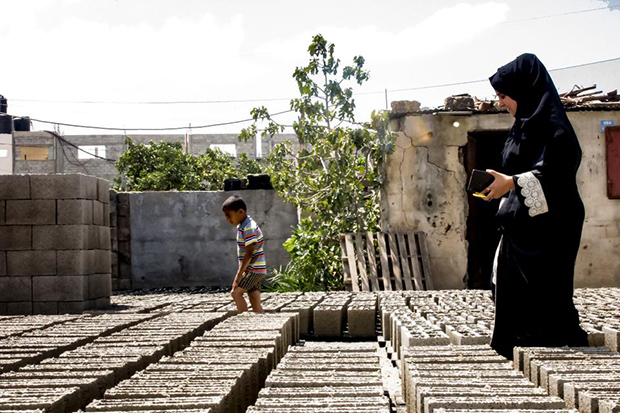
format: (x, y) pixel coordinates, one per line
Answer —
(249, 252)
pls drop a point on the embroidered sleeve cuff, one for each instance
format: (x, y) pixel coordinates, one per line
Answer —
(533, 193)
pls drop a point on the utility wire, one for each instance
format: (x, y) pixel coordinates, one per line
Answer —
(527, 19)
(151, 129)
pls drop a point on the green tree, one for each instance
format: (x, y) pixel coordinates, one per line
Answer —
(336, 176)
(164, 166)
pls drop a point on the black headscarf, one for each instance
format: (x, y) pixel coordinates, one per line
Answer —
(527, 81)
(540, 116)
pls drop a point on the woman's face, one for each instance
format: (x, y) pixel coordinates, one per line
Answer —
(507, 102)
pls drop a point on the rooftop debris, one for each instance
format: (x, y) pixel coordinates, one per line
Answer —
(576, 96)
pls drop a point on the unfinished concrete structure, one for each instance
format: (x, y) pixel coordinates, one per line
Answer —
(426, 190)
(41, 152)
(54, 244)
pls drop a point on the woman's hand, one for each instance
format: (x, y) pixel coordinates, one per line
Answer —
(499, 187)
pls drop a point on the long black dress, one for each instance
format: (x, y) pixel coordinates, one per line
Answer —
(541, 219)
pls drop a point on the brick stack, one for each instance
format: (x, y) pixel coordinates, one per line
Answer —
(54, 244)
(120, 232)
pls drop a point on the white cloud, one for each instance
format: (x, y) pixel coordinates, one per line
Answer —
(447, 27)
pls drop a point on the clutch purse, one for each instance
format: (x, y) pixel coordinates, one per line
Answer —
(478, 182)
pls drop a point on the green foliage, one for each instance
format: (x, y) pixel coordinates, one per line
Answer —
(164, 166)
(336, 176)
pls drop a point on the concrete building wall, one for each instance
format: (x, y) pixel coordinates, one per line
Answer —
(64, 157)
(182, 239)
(426, 183)
(6, 154)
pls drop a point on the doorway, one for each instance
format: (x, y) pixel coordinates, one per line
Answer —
(483, 151)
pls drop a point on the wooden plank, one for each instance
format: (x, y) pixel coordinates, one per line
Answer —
(398, 281)
(385, 266)
(415, 262)
(404, 261)
(345, 263)
(361, 261)
(372, 261)
(348, 239)
(426, 265)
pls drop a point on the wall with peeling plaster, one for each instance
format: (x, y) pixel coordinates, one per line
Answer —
(426, 182)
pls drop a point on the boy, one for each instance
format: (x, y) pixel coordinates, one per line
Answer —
(252, 265)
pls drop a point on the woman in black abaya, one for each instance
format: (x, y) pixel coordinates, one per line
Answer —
(541, 214)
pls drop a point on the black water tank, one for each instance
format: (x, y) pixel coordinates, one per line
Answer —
(6, 123)
(259, 181)
(21, 124)
(4, 105)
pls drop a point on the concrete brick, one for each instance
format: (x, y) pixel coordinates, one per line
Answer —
(103, 302)
(99, 286)
(124, 284)
(19, 308)
(46, 308)
(71, 307)
(104, 238)
(328, 320)
(14, 289)
(74, 186)
(31, 262)
(15, 237)
(106, 215)
(98, 211)
(2, 263)
(102, 262)
(103, 191)
(60, 288)
(75, 262)
(31, 212)
(14, 186)
(75, 211)
(60, 237)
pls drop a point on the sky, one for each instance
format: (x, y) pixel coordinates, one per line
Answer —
(111, 63)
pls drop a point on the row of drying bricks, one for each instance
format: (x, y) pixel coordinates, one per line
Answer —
(230, 359)
(475, 378)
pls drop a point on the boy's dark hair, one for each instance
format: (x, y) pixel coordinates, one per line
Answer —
(234, 203)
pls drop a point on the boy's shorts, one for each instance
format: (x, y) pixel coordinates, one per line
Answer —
(251, 281)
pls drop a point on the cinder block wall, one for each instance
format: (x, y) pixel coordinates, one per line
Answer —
(54, 244)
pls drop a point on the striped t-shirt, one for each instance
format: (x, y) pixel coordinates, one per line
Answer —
(248, 232)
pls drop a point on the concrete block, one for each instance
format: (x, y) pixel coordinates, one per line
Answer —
(31, 262)
(3, 263)
(14, 186)
(72, 307)
(2, 212)
(15, 237)
(99, 286)
(98, 213)
(104, 238)
(60, 237)
(124, 284)
(60, 288)
(101, 303)
(19, 308)
(31, 212)
(103, 191)
(75, 211)
(362, 321)
(328, 320)
(75, 262)
(589, 400)
(609, 406)
(612, 338)
(74, 186)
(103, 262)
(14, 289)
(46, 308)
(106, 215)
